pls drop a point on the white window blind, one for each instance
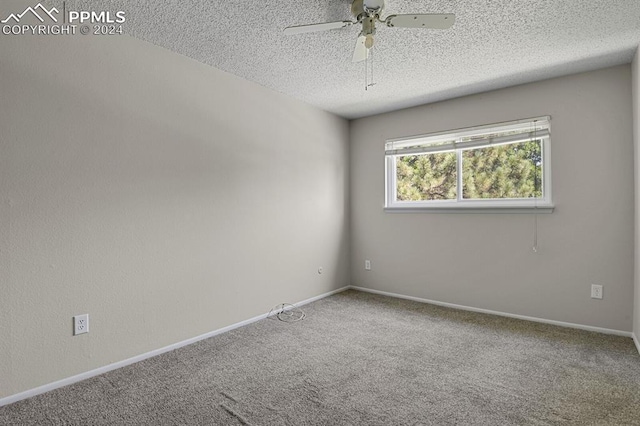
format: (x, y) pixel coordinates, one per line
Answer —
(474, 137)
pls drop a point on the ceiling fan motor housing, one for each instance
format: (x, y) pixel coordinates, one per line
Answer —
(368, 25)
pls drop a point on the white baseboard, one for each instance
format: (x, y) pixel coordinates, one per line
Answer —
(635, 340)
(322, 296)
(92, 373)
(502, 314)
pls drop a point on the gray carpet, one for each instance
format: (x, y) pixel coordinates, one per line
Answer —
(363, 359)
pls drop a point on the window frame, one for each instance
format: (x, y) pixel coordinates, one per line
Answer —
(452, 142)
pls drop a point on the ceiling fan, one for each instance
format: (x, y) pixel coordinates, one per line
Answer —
(367, 13)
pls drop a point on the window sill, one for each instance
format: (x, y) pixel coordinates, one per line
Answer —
(545, 209)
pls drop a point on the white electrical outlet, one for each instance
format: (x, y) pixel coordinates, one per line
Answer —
(320, 270)
(80, 324)
(596, 291)
(367, 265)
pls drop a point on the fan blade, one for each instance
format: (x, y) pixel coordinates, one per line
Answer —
(361, 52)
(311, 28)
(433, 20)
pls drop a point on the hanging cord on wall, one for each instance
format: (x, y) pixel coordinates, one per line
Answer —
(535, 195)
(535, 229)
(286, 312)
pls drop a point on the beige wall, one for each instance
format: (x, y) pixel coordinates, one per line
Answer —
(486, 260)
(163, 197)
(636, 144)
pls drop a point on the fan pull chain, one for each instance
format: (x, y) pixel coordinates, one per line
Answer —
(366, 73)
(371, 56)
(368, 64)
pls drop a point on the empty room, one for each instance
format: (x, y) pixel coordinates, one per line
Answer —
(327, 212)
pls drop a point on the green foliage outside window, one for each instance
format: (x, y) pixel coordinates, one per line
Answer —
(427, 177)
(494, 172)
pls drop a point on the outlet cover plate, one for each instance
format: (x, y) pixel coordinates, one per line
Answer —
(596, 291)
(80, 324)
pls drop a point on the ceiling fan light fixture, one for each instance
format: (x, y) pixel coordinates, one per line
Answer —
(373, 7)
(367, 13)
(368, 41)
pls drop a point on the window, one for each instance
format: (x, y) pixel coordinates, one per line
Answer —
(504, 166)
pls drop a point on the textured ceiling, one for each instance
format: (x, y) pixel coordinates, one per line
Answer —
(493, 44)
